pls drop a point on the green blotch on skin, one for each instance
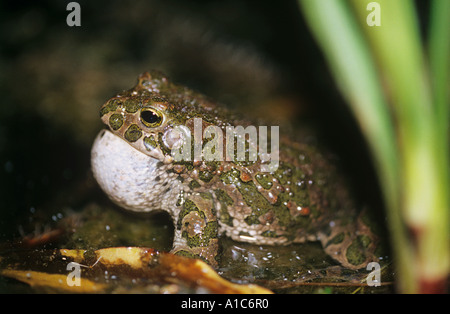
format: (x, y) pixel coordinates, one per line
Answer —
(355, 252)
(265, 180)
(188, 206)
(116, 121)
(284, 173)
(150, 143)
(202, 239)
(112, 105)
(133, 133)
(132, 105)
(194, 184)
(223, 197)
(230, 177)
(269, 234)
(205, 176)
(337, 239)
(212, 165)
(252, 219)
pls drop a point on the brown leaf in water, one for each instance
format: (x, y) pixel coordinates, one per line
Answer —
(125, 266)
(58, 282)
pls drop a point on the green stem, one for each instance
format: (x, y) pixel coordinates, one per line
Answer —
(439, 55)
(352, 65)
(398, 50)
(412, 157)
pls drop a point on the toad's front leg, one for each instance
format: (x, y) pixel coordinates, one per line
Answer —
(196, 228)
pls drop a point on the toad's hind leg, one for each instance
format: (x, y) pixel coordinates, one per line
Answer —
(196, 228)
(351, 244)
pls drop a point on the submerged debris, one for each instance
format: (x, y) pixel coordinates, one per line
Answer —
(119, 269)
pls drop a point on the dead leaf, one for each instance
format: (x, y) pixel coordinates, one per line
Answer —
(135, 266)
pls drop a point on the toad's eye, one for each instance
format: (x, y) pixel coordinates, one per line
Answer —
(151, 117)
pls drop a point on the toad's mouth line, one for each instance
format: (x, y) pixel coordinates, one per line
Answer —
(209, 143)
(139, 145)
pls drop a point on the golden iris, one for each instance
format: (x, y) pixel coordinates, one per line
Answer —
(151, 117)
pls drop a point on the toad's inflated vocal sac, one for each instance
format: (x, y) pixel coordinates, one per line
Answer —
(303, 199)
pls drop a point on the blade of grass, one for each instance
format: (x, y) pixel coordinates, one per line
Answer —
(439, 54)
(352, 65)
(355, 74)
(398, 50)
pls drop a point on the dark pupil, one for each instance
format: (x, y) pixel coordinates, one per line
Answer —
(150, 117)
